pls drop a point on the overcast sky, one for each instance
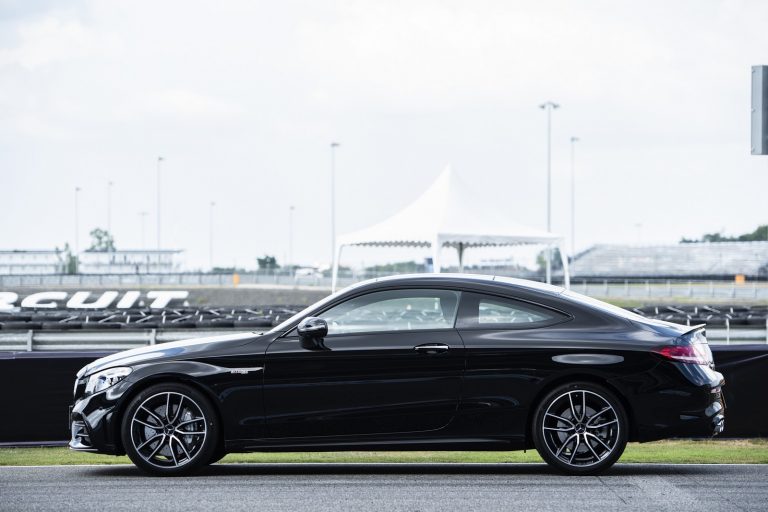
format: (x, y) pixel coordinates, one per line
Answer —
(242, 98)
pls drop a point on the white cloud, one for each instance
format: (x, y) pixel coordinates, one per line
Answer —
(178, 104)
(243, 97)
(52, 40)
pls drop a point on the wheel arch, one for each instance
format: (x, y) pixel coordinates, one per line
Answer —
(577, 377)
(161, 378)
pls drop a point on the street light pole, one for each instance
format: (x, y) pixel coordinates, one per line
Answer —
(210, 245)
(159, 160)
(77, 222)
(143, 217)
(549, 107)
(290, 236)
(109, 207)
(334, 145)
(574, 140)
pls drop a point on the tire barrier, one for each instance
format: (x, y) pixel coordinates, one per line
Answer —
(267, 316)
(146, 318)
(38, 391)
(732, 315)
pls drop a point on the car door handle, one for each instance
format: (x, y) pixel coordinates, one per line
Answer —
(432, 348)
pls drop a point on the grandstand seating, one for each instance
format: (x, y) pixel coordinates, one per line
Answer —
(721, 259)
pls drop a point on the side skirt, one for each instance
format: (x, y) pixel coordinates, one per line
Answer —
(314, 445)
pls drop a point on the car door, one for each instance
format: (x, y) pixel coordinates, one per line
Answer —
(392, 363)
(505, 359)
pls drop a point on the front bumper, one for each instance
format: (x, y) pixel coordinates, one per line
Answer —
(93, 425)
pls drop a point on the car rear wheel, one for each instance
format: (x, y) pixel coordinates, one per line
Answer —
(170, 429)
(580, 428)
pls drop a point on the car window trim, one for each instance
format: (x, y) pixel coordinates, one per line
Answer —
(460, 291)
(367, 333)
(567, 317)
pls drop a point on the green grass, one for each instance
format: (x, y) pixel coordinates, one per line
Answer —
(678, 451)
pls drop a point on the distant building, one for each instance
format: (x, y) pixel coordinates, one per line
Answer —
(32, 262)
(162, 261)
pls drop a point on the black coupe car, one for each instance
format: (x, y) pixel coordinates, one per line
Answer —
(426, 362)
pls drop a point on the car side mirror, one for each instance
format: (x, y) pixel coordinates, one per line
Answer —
(312, 328)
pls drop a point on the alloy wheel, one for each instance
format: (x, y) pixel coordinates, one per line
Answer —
(580, 428)
(168, 429)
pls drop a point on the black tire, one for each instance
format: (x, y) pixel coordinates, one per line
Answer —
(19, 326)
(252, 323)
(58, 326)
(102, 326)
(189, 411)
(177, 325)
(562, 414)
(217, 455)
(136, 326)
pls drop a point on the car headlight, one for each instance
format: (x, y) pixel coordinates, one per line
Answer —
(105, 379)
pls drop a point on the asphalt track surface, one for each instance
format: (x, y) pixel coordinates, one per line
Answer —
(411, 487)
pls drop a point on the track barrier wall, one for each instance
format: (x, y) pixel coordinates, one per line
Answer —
(37, 390)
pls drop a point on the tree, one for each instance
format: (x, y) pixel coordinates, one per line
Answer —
(556, 262)
(399, 267)
(758, 235)
(101, 241)
(70, 261)
(267, 262)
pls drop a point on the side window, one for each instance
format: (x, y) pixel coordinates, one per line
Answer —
(394, 310)
(490, 312)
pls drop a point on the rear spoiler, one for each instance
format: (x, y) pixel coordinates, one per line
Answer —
(696, 334)
(695, 328)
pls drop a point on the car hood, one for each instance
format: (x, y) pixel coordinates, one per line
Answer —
(171, 350)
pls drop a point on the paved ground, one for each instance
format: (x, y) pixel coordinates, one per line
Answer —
(422, 487)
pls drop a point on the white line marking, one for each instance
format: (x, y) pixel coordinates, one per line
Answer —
(446, 464)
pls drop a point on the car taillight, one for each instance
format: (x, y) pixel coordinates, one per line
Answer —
(696, 353)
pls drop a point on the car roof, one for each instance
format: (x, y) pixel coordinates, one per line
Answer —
(444, 278)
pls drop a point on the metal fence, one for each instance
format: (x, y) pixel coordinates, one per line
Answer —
(84, 340)
(667, 288)
(603, 288)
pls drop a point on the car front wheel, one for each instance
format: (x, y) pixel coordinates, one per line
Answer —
(580, 428)
(170, 429)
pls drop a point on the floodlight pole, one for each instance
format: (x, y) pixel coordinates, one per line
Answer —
(549, 107)
(77, 222)
(290, 236)
(334, 145)
(210, 235)
(159, 161)
(143, 217)
(574, 140)
(109, 207)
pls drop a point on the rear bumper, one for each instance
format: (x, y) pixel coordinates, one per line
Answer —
(687, 401)
(707, 422)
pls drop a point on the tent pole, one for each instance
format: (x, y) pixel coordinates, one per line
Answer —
(566, 267)
(335, 269)
(436, 246)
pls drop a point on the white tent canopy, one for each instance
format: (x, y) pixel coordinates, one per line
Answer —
(449, 213)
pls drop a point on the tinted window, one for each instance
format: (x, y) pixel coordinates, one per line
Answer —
(489, 312)
(394, 310)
